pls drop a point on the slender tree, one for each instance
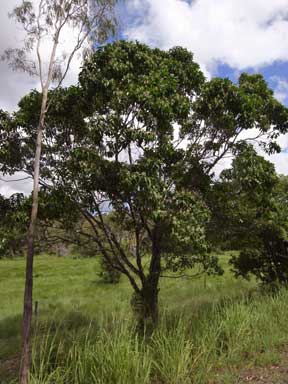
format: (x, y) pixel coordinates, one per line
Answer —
(45, 23)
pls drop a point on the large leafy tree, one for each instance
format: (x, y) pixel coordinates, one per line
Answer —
(139, 139)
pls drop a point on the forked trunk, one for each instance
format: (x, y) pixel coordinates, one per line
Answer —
(28, 294)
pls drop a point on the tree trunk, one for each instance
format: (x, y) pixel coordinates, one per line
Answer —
(145, 302)
(28, 294)
(145, 308)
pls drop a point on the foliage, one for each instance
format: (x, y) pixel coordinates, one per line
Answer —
(267, 260)
(13, 225)
(50, 238)
(109, 274)
(249, 208)
(10, 143)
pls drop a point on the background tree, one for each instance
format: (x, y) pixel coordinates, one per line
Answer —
(118, 147)
(249, 205)
(13, 225)
(54, 235)
(44, 23)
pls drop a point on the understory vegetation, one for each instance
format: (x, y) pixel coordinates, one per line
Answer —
(84, 333)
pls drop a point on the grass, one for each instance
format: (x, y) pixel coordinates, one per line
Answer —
(85, 332)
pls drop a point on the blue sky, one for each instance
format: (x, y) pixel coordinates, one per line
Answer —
(276, 75)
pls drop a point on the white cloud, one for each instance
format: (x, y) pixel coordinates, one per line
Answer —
(17, 183)
(281, 88)
(280, 160)
(241, 33)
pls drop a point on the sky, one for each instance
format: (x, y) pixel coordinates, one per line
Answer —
(227, 37)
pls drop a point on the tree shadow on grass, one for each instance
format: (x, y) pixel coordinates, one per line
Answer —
(9, 348)
(58, 324)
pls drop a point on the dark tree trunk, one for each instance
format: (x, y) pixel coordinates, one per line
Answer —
(145, 307)
(145, 302)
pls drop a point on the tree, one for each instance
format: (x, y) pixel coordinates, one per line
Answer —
(249, 206)
(13, 225)
(281, 196)
(242, 194)
(121, 152)
(45, 23)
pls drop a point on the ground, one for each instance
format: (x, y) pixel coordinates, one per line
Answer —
(276, 373)
(227, 332)
(271, 374)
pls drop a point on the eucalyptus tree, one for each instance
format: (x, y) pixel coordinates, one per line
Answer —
(142, 142)
(45, 23)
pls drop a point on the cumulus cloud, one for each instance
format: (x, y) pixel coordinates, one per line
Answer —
(241, 33)
(281, 88)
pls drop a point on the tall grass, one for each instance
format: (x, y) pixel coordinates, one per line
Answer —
(186, 348)
(116, 356)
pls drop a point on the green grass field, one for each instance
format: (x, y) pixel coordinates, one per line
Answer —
(85, 334)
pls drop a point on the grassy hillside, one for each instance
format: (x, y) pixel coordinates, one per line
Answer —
(84, 332)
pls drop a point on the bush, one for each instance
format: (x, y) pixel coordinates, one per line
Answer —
(109, 274)
(269, 261)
